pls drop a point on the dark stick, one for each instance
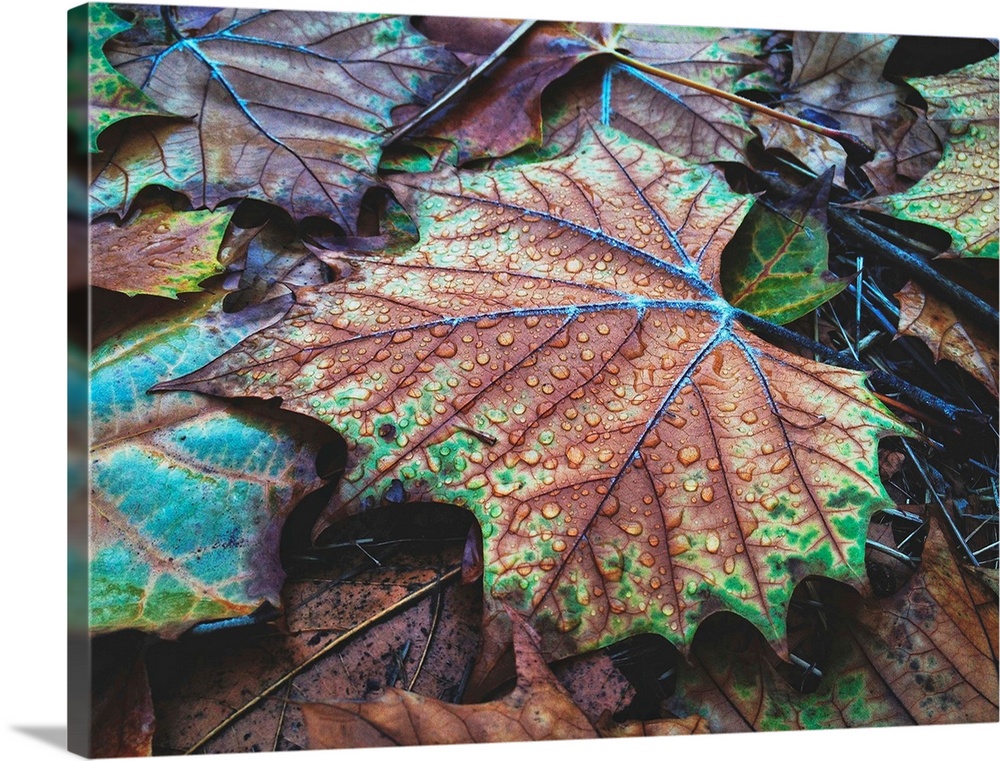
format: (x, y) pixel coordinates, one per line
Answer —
(922, 398)
(915, 266)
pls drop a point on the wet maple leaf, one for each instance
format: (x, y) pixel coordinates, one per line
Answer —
(284, 107)
(555, 356)
(959, 195)
(161, 252)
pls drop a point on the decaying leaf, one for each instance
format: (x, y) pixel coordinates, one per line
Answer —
(972, 347)
(503, 113)
(538, 708)
(112, 96)
(959, 195)
(284, 107)
(776, 264)
(187, 494)
(122, 716)
(161, 252)
(929, 643)
(555, 357)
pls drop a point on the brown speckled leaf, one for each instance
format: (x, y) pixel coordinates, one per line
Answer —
(279, 106)
(538, 708)
(555, 357)
(971, 346)
(930, 644)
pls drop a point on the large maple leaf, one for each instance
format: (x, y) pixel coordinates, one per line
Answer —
(555, 356)
(288, 108)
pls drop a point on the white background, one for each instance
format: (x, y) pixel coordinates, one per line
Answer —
(33, 356)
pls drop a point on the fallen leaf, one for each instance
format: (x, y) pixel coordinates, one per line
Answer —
(503, 112)
(966, 343)
(839, 76)
(122, 719)
(555, 357)
(776, 264)
(959, 194)
(204, 683)
(284, 107)
(188, 494)
(160, 252)
(112, 96)
(538, 708)
(735, 684)
(929, 643)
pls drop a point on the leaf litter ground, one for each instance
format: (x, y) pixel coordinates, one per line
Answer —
(915, 473)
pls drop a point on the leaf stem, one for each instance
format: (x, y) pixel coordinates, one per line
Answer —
(854, 146)
(328, 647)
(924, 399)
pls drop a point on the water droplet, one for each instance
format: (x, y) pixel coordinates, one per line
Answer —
(689, 455)
(712, 542)
(575, 456)
(550, 510)
(749, 417)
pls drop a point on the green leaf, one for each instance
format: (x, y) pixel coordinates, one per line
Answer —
(959, 195)
(188, 495)
(112, 96)
(776, 264)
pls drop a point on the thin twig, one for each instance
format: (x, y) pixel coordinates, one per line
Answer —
(323, 651)
(854, 226)
(438, 604)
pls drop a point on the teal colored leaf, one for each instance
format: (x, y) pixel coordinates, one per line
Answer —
(188, 495)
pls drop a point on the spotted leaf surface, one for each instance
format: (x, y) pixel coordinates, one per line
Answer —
(161, 252)
(112, 96)
(555, 356)
(187, 496)
(959, 195)
(288, 108)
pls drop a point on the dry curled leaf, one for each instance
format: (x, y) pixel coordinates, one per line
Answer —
(554, 355)
(538, 708)
(926, 317)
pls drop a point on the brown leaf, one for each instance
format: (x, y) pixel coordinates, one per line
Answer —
(538, 708)
(929, 643)
(283, 107)
(966, 343)
(504, 111)
(161, 252)
(202, 685)
(554, 356)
